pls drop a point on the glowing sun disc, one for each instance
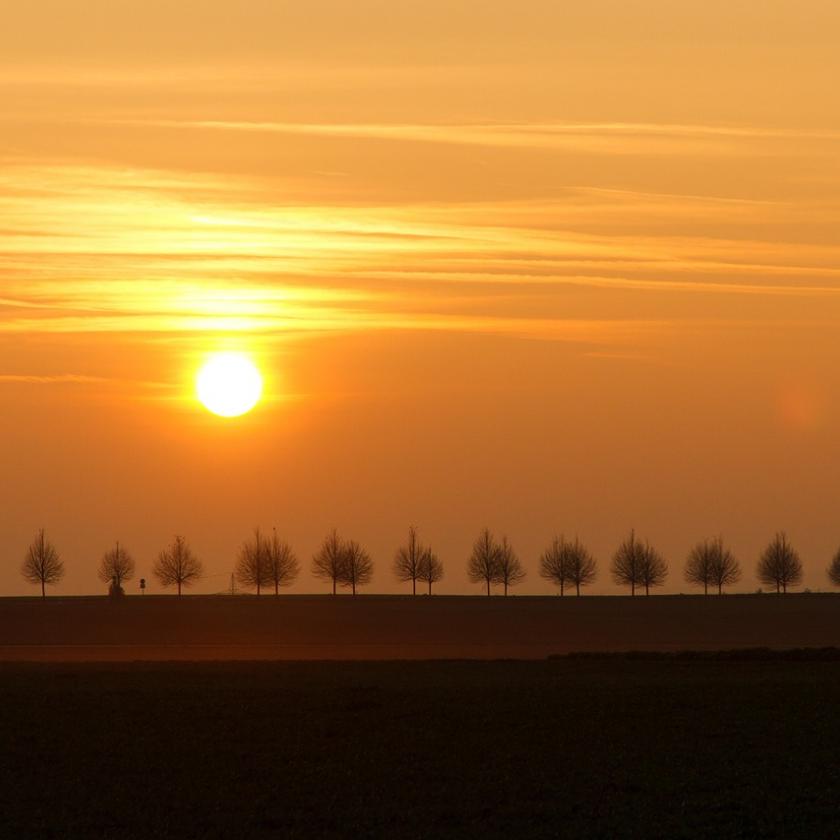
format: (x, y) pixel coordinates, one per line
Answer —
(229, 384)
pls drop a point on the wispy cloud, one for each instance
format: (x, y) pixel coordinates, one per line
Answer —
(54, 379)
(625, 138)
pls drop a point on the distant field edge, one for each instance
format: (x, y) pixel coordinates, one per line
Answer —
(750, 654)
(184, 654)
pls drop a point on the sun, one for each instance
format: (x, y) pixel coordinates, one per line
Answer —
(229, 384)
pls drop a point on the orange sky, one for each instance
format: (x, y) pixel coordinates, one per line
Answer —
(545, 266)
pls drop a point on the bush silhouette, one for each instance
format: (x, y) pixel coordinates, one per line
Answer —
(834, 570)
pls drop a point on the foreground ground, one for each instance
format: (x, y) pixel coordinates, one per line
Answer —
(592, 747)
(296, 627)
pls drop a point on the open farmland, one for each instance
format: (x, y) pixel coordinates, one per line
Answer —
(593, 747)
(402, 627)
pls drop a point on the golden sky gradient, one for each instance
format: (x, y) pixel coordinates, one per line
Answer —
(544, 266)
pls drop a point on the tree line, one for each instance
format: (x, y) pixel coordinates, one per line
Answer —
(268, 562)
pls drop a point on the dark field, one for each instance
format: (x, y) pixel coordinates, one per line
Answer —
(296, 627)
(582, 747)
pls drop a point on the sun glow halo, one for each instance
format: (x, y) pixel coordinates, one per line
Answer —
(229, 384)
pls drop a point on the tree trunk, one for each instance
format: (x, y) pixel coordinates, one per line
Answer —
(43, 589)
(705, 587)
(354, 587)
(647, 589)
(333, 586)
(414, 586)
(720, 589)
(505, 589)
(488, 587)
(562, 587)
(578, 589)
(276, 587)
(430, 586)
(633, 587)
(179, 588)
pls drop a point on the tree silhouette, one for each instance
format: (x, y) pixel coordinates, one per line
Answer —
(116, 567)
(654, 568)
(779, 564)
(177, 565)
(710, 563)
(583, 566)
(568, 562)
(726, 569)
(431, 568)
(698, 567)
(627, 563)
(554, 563)
(283, 567)
(408, 559)
(834, 570)
(253, 564)
(42, 564)
(327, 564)
(482, 567)
(356, 568)
(509, 571)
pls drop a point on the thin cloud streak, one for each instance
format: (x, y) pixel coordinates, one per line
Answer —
(608, 137)
(55, 379)
(585, 331)
(618, 282)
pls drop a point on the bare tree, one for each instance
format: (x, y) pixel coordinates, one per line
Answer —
(711, 563)
(554, 563)
(834, 570)
(283, 567)
(779, 564)
(431, 568)
(568, 562)
(582, 565)
(357, 567)
(509, 570)
(253, 564)
(627, 563)
(700, 564)
(178, 565)
(654, 568)
(482, 567)
(116, 567)
(408, 559)
(328, 563)
(42, 564)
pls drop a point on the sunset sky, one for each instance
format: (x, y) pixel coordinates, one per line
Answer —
(546, 266)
